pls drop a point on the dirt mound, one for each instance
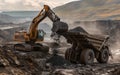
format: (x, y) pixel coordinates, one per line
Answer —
(14, 62)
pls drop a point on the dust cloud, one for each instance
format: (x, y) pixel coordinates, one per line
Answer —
(90, 27)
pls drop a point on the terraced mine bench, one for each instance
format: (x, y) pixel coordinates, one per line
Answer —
(86, 47)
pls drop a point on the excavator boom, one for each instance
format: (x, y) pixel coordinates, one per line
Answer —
(45, 12)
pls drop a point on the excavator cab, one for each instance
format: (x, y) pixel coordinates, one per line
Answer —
(40, 35)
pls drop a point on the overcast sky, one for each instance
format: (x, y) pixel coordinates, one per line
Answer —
(8, 5)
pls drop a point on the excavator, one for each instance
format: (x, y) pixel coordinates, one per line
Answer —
(27, 40)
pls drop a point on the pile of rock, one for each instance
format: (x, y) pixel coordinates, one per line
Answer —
(39, 63)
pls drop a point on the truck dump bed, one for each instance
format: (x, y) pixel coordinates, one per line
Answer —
(85, 40)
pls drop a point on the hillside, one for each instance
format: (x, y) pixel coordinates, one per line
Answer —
(90, 10)
(6, 18)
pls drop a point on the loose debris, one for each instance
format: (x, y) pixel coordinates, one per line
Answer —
(38, 63)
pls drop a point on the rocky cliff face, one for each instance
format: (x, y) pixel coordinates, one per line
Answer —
(6, 18)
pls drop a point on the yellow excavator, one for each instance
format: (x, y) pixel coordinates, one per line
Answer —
(27, 40)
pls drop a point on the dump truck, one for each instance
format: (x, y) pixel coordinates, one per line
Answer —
(86, 47)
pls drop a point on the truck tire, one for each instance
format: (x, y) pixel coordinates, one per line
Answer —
(87, 56)
(70, 55)
(103, 56)
(66, 54)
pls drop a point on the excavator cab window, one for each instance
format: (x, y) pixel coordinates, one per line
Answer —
(41, 34)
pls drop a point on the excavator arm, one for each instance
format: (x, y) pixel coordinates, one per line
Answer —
(45, 12)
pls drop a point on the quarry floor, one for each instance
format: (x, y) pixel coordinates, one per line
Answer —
(38, 63)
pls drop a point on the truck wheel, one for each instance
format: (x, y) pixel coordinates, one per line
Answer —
(67, 54)
(87, 56)
(103, 56)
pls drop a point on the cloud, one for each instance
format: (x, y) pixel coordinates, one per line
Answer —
(12, 1)
(29, 4)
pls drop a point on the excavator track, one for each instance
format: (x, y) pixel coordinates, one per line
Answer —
(31, 47)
